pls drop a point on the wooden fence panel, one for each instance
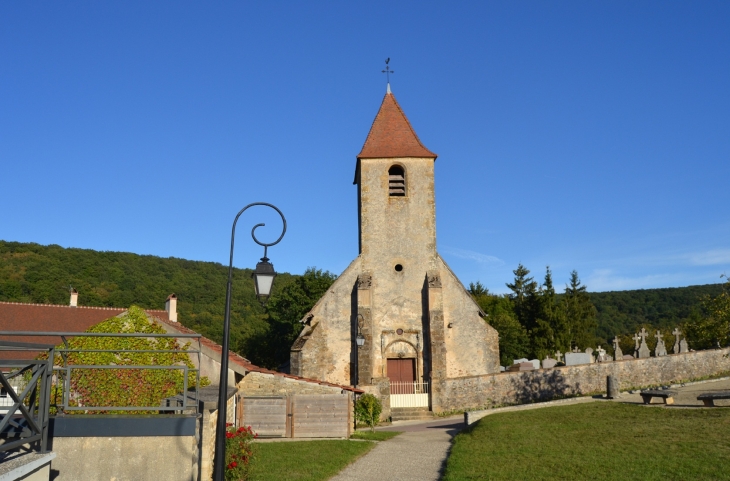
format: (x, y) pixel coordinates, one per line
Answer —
(267, 415)
(320, 416)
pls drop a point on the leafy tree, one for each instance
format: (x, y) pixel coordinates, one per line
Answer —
(367, 410)
(580, 313)
(711, 328)
(270, 347)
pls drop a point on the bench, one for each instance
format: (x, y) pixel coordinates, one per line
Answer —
(708, 398)
(667, 396)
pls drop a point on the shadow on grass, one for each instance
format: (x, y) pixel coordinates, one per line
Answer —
(537, 386)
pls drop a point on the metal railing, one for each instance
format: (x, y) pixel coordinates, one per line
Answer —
(26, 385)
(409, 394)
(64, 398)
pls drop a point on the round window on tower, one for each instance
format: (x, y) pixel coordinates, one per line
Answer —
(398, 267)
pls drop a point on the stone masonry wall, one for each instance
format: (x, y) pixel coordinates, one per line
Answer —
(479, 392)
(261, 384)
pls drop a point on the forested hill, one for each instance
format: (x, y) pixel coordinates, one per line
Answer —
(624, 312)
(42, 274)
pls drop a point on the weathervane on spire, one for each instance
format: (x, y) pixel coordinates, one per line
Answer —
(387, 72)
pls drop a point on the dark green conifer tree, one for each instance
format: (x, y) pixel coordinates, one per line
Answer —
(580, 314)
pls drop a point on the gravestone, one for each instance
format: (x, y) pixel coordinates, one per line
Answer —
(676, 333)
(617, 349)
(575, 358)
(628, 356)
(683, 346)
(559, 356)
(517, 361)
(589, 351)
(523, 366)
(601, 356)
(548, 363)
(636, 344)
(535, 363)
(643, 349)
(502, 369)
(660, 349)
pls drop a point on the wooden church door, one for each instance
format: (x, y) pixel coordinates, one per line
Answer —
(402, 374)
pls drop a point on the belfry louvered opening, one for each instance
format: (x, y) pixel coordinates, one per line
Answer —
(396, 181)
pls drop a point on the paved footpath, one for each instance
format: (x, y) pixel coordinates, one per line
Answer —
(419, 454)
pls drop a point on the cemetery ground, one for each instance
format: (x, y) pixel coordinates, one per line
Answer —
(599, 440)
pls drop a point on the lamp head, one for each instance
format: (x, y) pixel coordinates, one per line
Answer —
(263, 278)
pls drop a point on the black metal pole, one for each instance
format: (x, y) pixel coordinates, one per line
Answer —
(220, 430)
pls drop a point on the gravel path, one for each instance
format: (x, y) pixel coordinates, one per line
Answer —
(419, 454)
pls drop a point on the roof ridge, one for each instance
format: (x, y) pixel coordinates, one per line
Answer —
(36, 304)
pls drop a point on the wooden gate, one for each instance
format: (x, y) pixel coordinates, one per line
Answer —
(267, 415)
(320, 416)
(297, 416)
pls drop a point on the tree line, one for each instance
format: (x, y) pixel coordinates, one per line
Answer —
(533, 321)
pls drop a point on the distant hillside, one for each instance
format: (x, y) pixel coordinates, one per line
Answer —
(624, 312)
(42, 274)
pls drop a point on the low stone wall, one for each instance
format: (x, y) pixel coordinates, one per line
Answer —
(262, 384)
(480, 392)
(160, 458)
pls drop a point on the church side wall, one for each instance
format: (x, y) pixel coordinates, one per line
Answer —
(472, 345)
(327, 344)
(483, 392)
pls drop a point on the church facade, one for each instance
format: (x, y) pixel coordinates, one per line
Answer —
(397, 316)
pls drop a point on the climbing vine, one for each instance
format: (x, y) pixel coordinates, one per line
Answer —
(126, 387)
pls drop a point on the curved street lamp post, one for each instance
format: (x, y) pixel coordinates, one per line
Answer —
(263, 281)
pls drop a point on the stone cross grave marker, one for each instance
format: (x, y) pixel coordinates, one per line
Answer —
(676, 333)
(636, 344)
(660, 349)
(575, 349)
(617, 354)
(559, 356)
(601, 357)
(643, 349)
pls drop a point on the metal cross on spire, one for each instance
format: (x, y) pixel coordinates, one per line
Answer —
(387, 72)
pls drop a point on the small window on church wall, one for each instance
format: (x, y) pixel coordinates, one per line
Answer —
(396, 181)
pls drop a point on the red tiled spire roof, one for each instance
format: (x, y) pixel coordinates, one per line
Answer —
(392, 135)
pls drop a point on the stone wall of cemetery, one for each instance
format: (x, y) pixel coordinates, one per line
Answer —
(487, 391)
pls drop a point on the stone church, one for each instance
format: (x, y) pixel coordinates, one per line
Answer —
(417, 324)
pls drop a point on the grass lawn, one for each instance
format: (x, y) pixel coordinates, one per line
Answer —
(593, 441)
(305, 460)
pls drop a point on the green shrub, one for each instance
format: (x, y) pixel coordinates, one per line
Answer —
(367, 410)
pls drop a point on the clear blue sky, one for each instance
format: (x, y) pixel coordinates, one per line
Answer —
(582, 135)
